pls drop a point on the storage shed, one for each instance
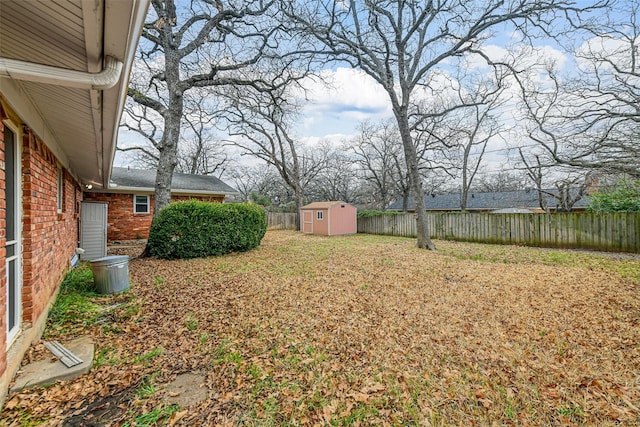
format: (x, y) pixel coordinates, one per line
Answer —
(328, 218)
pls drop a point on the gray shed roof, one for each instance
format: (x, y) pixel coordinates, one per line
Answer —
(145, 180)
(489, 201)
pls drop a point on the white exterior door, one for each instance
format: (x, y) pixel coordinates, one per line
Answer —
(93, 230)
(13, 230)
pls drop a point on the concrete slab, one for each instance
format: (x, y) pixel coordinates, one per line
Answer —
(49, 371)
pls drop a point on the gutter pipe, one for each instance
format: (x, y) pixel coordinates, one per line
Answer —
(29, 71)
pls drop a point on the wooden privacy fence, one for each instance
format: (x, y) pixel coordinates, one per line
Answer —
(618, 231)
(281, 221)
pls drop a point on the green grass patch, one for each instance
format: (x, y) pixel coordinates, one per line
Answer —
(157, 417)
(148, 356)
(74, 309)
(572, 412)
(192, 322)
(107, 356)
(625, 267)
(147, 387)
(358, 415)
(28, 420)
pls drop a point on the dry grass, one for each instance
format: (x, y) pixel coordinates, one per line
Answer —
(368, 330)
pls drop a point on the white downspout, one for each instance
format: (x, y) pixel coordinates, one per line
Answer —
(21, 70)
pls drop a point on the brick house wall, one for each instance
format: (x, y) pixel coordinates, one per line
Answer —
(48, 240)
(123, 223)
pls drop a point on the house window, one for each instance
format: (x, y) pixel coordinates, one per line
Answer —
(60, 190)
(140, 204)
(319, 215)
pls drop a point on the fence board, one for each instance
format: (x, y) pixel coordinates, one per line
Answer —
(608, 232)
(281, 221)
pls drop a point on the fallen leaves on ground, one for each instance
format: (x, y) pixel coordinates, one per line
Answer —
(365, 330)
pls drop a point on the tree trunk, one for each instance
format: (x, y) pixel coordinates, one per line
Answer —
(168, 158)
(299, 195)
(422, 226)
(463, 197)
(465, 185)
(166, 163)
(168, 150)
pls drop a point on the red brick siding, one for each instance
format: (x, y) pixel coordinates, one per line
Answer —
(122, 223)
(49, 238)
(3, 252)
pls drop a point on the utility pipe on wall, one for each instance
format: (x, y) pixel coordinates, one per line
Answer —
(28, 71)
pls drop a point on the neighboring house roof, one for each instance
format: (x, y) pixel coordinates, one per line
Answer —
(75, 104)
(322, 205)
(127, 179)
(517, 210)
(527, 199)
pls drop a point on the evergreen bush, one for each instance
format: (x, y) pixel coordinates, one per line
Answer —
(625, 197)
(366, 213)
(194, 229)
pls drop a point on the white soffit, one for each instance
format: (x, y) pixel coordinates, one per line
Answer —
(79, 125)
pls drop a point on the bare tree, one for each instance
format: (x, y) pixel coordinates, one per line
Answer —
(570, 184)
(377, 151)
(401, 43)
(199, 150)
(504, 180)
(338, 179)
(261, 126)
(474, 127)
(589, 118)
(260, 179)
(189, 45)
(535, 172)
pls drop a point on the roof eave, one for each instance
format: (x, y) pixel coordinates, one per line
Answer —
(174, 191)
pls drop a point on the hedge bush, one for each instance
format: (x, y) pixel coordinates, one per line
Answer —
(194, 229)
(366, 213)
(624, 197)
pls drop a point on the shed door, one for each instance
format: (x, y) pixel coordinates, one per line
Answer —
(307, 222)
(93, 230)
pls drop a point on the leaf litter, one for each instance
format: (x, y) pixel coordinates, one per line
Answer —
(363, 330)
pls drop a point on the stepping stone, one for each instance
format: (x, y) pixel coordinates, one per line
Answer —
(49, 371)
(186, 390)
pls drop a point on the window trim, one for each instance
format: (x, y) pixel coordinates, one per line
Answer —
(135, 204)
(17, 257)
(320, 215)
(59, 189)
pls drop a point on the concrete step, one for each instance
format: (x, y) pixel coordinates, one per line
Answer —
(49, 371)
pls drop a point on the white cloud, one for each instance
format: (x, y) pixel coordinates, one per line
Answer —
(615, 50)
(348, 97)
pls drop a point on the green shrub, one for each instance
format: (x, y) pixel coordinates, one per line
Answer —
(365, 213)
(625, 197)
(195, 229)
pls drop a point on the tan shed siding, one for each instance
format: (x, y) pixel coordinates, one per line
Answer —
(321, 226)
(343, 219)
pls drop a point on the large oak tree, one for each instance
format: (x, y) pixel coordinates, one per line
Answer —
(402, 43)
